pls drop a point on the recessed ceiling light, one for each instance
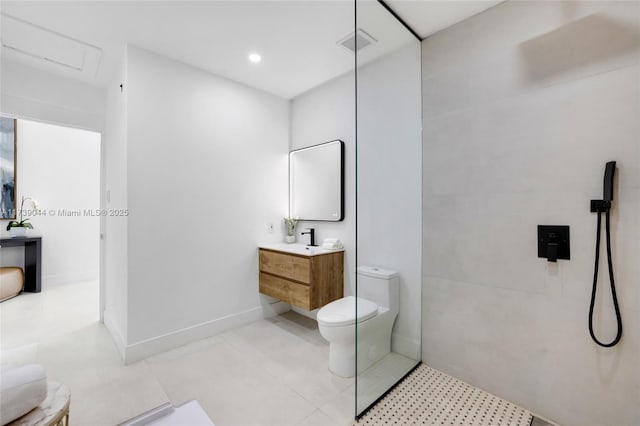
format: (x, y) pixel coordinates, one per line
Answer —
(255, 58)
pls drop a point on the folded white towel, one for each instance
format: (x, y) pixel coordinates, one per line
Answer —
(332, 244)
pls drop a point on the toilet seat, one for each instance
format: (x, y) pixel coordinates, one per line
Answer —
(343, 311)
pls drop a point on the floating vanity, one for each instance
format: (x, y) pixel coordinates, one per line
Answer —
(306, 277)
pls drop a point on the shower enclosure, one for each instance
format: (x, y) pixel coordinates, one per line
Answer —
(388, 190)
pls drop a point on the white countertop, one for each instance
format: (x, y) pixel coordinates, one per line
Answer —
(299, 249)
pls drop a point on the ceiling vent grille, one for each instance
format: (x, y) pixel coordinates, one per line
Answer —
(43, 45)
(359, 39)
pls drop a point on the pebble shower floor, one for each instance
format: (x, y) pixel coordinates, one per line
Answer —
(429, 397)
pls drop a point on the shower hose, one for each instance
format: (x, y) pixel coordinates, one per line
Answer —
(611, 280)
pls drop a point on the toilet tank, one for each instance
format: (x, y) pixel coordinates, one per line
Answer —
(379, 285)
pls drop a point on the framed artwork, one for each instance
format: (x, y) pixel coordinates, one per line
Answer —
(8, 168)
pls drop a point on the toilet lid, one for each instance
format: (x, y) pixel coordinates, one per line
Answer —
(343, 311)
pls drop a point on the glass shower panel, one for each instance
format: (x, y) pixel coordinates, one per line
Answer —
(388, 201)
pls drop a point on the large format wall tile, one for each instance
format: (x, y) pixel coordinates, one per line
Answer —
(520, 46)
(550, 139)
(523, 105)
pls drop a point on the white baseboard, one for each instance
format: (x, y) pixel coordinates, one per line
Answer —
(116, 334)
(146, 348)
(53, 280)
(405, 346)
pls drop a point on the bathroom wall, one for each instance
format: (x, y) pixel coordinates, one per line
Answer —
(523, 105)
(389, 189)
(59, 167)
(389, 181)
(206, 172)
(326, 113)
(115, 252)
(323, 114)
(38, 95)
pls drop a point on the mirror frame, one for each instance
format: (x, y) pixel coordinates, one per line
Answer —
(341, 189)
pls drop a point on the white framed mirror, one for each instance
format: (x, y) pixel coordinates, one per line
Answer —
(316, 182)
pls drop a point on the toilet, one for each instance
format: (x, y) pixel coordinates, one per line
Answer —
(377, 309)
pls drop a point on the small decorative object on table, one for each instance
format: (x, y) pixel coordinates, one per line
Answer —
(18, 228)
(290, 223)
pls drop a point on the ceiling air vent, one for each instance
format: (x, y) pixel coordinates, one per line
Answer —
(46, 46)
(360, 38)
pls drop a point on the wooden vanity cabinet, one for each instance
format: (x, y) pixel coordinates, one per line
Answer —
(308, 282)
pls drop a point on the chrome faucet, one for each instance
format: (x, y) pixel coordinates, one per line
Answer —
(312, 236)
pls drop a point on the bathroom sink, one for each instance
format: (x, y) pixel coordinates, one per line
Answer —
(299, 249)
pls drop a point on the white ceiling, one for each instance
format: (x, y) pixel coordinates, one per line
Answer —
(297, 39)
(427, 17)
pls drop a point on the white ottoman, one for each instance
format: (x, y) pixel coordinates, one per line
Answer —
(11, 282)
(21, 390)
(53, 411)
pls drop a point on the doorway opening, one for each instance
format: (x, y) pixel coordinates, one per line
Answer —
(60, 169)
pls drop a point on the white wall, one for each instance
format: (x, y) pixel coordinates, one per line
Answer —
(60, 167)
(389, 167)
(115, 253)
(389, 187)
(523, 105)
(321, 115)
(206, 172)
(29, 93)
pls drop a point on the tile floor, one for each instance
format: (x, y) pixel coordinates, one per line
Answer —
(271, 372)
(190, 413)
(38, 317)
(430, 397)
(377, 379)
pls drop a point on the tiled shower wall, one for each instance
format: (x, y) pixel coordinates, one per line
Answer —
(523, 105)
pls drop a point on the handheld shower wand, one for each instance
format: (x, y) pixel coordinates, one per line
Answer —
(604, 206)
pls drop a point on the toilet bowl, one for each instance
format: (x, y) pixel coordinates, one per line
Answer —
(373, 312)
